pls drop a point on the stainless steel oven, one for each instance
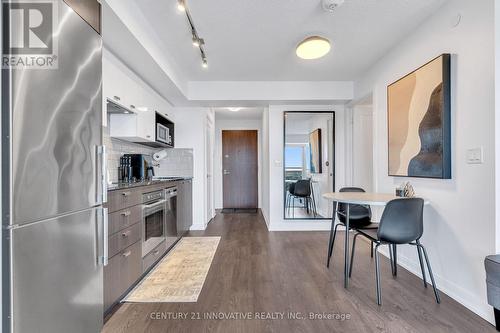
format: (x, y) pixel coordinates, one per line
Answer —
(154, 215)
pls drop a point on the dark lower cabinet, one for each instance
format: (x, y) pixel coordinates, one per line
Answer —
(122, 271)
(126, 264)
(184, 207)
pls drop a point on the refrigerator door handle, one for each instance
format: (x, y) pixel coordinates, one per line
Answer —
(105, 227)
(102, 188)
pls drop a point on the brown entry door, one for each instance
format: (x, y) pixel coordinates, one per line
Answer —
(239, 169)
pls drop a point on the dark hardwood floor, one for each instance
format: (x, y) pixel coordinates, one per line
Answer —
(284, 272)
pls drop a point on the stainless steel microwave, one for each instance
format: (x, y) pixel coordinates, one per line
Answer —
(163, 134)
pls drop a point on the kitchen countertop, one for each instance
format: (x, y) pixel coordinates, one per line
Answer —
(122, 186)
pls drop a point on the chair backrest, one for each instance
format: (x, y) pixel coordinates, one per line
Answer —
(402, 221)
(358, 212)
(302, 188)
(291, 188)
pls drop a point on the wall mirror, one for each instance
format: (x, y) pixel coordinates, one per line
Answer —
(309, 164)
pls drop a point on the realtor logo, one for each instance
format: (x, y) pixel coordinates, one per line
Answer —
(29, 34)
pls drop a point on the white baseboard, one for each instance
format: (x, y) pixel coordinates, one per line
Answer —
(298, 225)
(470, 300)
(199, 227)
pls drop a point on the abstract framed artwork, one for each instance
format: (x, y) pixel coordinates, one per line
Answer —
(315, 151)
(419, 125)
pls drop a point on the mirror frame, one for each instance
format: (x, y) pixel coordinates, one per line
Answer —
(332, 161)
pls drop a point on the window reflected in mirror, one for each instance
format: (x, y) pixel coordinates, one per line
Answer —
(309, 164)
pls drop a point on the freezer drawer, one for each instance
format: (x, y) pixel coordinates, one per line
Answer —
(56, 279)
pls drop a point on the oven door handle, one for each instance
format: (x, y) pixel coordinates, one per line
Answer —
(153, 205)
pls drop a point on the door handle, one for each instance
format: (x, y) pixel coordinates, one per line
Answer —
(126, 214)
(126, 254)
(105, 226)
(126, 194)
(227, 172)
(101, 152)
(126, 233)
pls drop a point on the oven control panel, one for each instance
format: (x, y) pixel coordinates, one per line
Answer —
(152, 196)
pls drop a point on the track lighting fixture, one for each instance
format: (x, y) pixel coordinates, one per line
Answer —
(196, 40)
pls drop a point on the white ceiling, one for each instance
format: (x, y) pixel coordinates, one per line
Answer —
(254, 40)
(250, 113)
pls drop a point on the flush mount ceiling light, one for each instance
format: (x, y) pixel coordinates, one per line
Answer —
(313, 47)
(234, 109)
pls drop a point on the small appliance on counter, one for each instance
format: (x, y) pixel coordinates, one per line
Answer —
(135, 167)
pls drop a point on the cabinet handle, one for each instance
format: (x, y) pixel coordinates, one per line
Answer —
(117, 98)
(126, 254)
(126, 234)
(126, 194)
(126, 214)
(156, 252)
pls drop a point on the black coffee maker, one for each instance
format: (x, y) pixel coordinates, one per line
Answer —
(135, 168)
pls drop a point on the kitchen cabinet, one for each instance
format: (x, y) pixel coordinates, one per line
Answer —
(125, 226)
(122, 271)
(124, 244)
(125, 88)
(184, 206)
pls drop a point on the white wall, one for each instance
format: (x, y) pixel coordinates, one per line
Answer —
(460, 220)
(265, 166)
(276, 199)
(234, 124)
(190, 133)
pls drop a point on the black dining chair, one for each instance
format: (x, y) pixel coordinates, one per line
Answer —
(359, 218)
(302, 190)
(289, 195)
(401, 223)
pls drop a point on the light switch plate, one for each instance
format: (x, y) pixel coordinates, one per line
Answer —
(475, 156)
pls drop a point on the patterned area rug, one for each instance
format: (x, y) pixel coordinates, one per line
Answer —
(179, 276)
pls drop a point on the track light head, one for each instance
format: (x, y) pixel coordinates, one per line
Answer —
(181, 6)
(196, 41)
(204, 63)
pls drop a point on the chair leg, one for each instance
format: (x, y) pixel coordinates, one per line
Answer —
(371, 249)
(293, 207)
(352, 253)
(395, 255)
(436, 292)
(391, 258)
(332, 242)
(377, 275)
(422, 268)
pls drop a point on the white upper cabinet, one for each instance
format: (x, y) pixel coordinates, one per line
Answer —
(125, 88)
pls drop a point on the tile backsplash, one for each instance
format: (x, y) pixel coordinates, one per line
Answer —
(177, 163)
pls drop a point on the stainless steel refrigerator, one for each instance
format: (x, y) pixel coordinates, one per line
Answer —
(53, 185)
